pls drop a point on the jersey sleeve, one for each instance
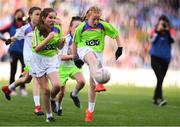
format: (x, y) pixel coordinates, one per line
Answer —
(77, 34)
(36, 38)
(20, 33)
(110, 30)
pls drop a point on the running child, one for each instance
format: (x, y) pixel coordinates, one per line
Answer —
(26, 33)
(88, 46)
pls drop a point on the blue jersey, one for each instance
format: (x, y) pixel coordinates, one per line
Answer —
(161, 45)
(17, 46)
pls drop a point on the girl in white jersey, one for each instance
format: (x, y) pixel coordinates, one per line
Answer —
(67, 69)
(26, 33)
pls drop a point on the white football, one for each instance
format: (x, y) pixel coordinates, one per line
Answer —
(102, 76)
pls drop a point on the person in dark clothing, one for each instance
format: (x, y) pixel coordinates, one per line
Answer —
(161, 39)
(16, 48)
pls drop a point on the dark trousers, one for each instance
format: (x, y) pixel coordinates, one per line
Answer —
(160, 68)
(14, 57)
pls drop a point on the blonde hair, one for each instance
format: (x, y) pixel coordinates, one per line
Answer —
(93, 9)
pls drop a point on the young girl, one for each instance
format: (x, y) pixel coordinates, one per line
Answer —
(162, 38)
(26, 33)
(68, 69)
(47, 38)
(88, 47)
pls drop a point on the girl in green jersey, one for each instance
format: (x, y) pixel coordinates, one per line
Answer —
(67, 69)
(47, 38)
(88, 47)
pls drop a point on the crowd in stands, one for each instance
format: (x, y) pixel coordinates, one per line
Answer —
(134, 19)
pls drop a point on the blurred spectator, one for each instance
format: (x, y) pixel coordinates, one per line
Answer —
(16, 48)
(133, 18)
(161, 39)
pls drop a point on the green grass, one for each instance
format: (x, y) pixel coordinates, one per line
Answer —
(120, 105)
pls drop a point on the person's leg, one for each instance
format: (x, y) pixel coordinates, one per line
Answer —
(91, 102)
(93, 63)
(8, 89)
(160, 69)
(162, 72)
(60, 97)
(36, 97)
(54, 79)
(157, 70)
(43, 82)
(13, 68)
(80, 84)
(22, 88)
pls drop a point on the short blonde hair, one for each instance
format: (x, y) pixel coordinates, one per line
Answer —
(93, 9)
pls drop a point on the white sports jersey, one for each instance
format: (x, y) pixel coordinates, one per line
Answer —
(66, 50)
(26, 33)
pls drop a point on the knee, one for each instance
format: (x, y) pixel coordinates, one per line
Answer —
(28, 80)
(56, 87)
(46, 92)
(62, 93)
(81, 82)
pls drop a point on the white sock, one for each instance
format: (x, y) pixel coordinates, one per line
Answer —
(11, 86)
(48, 115)
(60, 104)
(96, 83)
(36, 100)
(57, 105)
(74, 93)
(91, 107)
(60, 107)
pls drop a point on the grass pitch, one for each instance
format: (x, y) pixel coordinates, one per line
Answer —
(118, 106)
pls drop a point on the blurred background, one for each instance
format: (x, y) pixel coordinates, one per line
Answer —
(133, 18)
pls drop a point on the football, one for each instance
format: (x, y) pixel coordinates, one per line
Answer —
(102, 76)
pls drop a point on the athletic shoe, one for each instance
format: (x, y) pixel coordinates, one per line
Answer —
(100, 88)
(23, 92)
(160, 102)
(59, 112)
(38, 111)
(6, 92)
(89, 116)
(50, 119)
(53, 106)
(75, 100)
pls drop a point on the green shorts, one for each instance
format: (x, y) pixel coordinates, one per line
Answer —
(67, 72)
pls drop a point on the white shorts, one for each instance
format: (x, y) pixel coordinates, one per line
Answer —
(85, 50)
(41, 65)
(27, 59)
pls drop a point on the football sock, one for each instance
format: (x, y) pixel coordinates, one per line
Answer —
(96, 83)
(36, 100)
(11, 87)
(48, 115)
(57, 105)
(74, 93)
(91, 107)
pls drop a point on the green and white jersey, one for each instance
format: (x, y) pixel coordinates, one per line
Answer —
(51, 48)
(66, 50)
(87, 36)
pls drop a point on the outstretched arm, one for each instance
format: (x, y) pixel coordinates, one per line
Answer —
(119, 49)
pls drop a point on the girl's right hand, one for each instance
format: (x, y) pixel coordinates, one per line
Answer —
(51, 35)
